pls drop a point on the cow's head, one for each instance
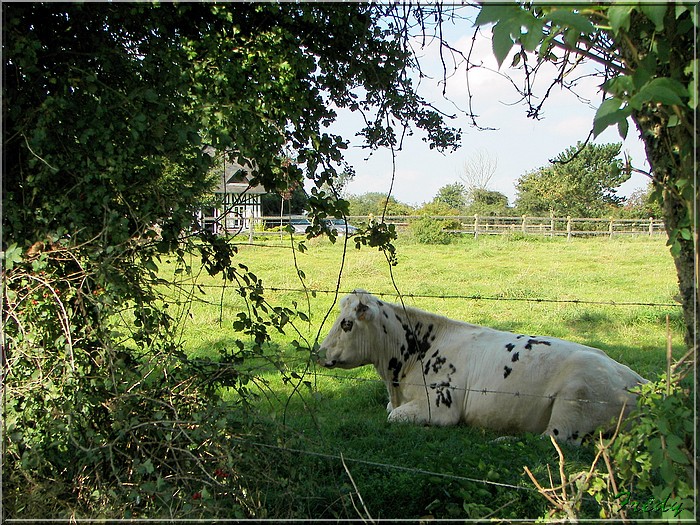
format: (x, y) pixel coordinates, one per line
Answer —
(349, 343)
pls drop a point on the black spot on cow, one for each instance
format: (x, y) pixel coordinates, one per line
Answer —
(519, 336)
(346, 325)
(506, 371)
(574, 436)
(398, 318)
(395, 366)
(443, 394)
(437, 365)
(516, 356)
(555, 432)
(532, 341)
(416, 343)
(426, 368)
(380, 303)
(510, 346)
(452, 368)
(384, 328)
(385, 314)
(435, 353)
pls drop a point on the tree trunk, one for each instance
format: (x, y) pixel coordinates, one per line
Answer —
(671, 152)
(669, 163)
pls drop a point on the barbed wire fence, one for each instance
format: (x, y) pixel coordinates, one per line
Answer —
(340, 457)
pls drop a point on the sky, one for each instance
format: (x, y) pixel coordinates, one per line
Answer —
(518, 145)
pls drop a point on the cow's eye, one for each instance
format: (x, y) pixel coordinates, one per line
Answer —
(346, 325)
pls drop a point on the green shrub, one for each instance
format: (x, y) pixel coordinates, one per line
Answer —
(104, 412)
(654, 457)
(430, 231)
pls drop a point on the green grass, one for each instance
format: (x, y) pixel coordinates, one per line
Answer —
(344, 411)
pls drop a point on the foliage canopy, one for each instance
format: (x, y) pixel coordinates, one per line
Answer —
(579, 182)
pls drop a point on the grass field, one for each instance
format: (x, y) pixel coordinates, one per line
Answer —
(302, 424)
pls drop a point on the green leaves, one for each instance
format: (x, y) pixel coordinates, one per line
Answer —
(12, 256)
(611, 113)
(650, 457)
(654, 12)
(619, 17)
(660, 90)
(616, 110)
(502, 42)
(512, 24)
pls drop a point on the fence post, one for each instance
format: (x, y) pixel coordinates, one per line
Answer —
(523, 228)
(251, 226)
(651, 226)
(611, 228)
(568, 227)
(476, 225)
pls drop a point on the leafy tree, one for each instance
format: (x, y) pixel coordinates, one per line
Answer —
(452, 195)
(374, 203)
(645, 52)
(428, 230)
(641, 203)
(109, 112)
(271, 203)
(437, 208)
(487, 202)
(579, 182)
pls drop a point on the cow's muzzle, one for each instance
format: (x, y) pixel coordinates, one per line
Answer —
(323, 361)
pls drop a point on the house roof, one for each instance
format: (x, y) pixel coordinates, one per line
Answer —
(234, 178)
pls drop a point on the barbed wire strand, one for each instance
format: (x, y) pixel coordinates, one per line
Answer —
(383, 465)
(474, 297)
(481, 391)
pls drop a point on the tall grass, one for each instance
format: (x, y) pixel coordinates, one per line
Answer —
(503, 282)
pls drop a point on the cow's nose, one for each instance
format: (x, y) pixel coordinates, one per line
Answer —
(326, 364)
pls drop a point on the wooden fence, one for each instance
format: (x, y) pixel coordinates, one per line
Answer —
(489, 225)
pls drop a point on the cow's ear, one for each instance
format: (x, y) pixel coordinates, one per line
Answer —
(362, 311)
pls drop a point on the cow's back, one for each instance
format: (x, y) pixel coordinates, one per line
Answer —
(513, 380)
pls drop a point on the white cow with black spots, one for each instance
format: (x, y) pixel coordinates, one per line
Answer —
(441, 372)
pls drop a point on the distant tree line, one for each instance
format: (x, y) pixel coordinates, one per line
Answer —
(581, 182)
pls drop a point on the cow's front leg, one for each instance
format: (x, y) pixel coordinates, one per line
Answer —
(412, 412)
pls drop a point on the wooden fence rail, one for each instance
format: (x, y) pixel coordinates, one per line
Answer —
(552, 226)
(489, 225)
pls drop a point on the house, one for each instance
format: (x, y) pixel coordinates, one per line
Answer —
(236, 202)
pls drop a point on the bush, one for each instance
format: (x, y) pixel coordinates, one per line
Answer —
(430, 231)
(105, 413)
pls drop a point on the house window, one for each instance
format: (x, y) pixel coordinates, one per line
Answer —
(210, 216)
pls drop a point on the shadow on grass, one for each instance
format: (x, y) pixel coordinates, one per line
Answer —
(408, 471)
